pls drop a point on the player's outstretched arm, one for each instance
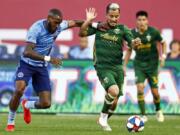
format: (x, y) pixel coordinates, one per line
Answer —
(90, 16)
(30, 53)
(75, 23)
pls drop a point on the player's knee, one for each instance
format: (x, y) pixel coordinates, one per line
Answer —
(113, 90)
(45, 104)
(140, 88)
(20, 90)
(140, 96)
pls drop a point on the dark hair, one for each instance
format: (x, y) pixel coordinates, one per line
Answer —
(173, 42)
(55, 12)
(141, 13)
(112, 6)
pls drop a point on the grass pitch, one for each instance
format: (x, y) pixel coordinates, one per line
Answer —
(86, 125)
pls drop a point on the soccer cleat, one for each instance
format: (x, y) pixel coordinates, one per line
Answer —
(159, 116)
(144, 118)
(102, 121)
(10, 128)
(27, 113)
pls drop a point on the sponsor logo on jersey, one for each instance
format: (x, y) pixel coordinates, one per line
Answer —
(109, 37)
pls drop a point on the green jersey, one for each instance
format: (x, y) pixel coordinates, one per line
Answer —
(108, 46)
(148, 49)
(147, 56)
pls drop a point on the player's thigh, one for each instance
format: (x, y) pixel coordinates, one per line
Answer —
(106, 77)
(23, 74)
(140, 76)
(41, 80)
(153, 79)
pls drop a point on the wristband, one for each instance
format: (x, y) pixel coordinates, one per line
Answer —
(47, 58)
(94, 25)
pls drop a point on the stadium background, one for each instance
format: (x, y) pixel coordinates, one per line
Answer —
(76, 88)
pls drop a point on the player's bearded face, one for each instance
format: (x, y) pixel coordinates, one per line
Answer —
(53, 23)
(142, 22)
(113, 17)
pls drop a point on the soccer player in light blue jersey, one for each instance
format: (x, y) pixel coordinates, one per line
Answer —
(33, 64)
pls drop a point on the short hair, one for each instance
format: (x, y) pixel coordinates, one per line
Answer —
(112, 6)
(55, 12)
(141, 13)
(174, 42)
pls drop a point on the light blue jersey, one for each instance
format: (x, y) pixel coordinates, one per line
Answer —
(43, 40)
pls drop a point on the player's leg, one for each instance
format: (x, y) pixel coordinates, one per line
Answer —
(119, 80)
(23, 75)
(44, 100)
(43, 103)
(113, 107)
(108, 82)
(140, 78)
(41, 84)
(153, 81)
(110, 97)
(14, 103)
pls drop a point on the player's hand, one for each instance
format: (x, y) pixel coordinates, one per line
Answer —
(90, 14)
(56, 61)
(136, 42)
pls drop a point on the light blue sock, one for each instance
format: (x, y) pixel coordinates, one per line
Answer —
(30, 104)
(11, 117)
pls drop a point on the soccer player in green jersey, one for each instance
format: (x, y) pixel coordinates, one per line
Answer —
(108, 52)
(146, 62)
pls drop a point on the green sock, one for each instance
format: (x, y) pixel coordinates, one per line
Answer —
(141, 103)
(106, 107)
(142, 107)
(157, 103)
(110, 113)
(111, 110)
(108, 101)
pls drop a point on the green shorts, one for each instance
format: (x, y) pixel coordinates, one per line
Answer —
(152, 77)
(109, 77)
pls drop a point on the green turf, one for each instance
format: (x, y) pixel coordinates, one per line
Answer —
(86, 125)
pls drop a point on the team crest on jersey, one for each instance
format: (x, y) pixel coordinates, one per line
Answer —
(117, 31)
(106, 80)
(20, 74)
(148, 37)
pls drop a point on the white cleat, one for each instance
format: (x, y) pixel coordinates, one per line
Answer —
(159, 116)
(144, 118)
(102, 121)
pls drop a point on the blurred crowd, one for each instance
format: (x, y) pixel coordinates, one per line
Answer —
(174, 53)
(79, 51)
